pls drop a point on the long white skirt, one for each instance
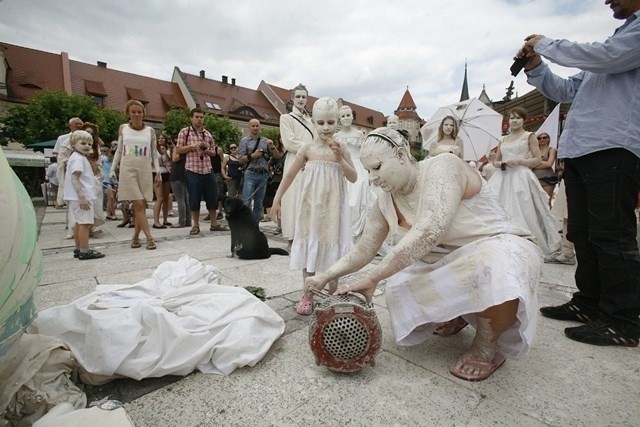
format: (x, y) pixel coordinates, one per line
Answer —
(468, 280)
(520, 193)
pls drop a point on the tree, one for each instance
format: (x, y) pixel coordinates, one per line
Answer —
(270, 133)
(47, 116)
(222, 129)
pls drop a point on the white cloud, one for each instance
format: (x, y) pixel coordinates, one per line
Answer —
(366, 51)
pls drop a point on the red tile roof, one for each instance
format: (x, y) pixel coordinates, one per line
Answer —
(235, 101)
(121, 86)
(31, 71)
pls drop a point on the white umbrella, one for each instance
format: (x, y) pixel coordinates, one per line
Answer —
(551, 126)
(480, 127)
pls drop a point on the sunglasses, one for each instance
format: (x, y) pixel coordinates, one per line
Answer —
(232, 148)
(543, 137)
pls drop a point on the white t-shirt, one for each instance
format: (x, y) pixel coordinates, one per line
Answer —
(78, 162)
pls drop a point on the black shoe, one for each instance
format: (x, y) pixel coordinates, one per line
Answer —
(219, 216)
(90, 255)
(568, 311)
(76, 252)
(600, 332)
(207, 218)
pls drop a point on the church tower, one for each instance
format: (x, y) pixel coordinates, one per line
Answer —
(409, 118)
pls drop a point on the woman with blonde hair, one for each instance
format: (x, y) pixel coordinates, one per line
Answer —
(136, 153)
(448, 140)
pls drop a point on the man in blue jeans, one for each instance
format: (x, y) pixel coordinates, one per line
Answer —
(198, 145)
(254, 153)
(600, 146)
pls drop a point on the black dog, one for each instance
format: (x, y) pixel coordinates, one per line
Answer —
(247, 241)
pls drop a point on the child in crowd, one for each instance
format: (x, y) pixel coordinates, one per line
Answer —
(323, 224)
(79, 193)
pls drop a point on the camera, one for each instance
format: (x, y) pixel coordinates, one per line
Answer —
(518, 65)
(203, 146)
(503, 166)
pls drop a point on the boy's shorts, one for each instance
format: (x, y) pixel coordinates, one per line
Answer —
(81, 216)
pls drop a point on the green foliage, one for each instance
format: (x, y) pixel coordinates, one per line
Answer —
(175, 120)
(223, 130)
(47, 116)
(257, 292)
(270, 133)
(418, 154)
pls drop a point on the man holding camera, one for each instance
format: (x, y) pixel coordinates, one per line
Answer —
(600, 146)
(197, 144)
(254, 153)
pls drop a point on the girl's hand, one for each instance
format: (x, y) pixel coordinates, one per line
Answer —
(335, 147)
(314, 282)
(158, 178)
(84, 204)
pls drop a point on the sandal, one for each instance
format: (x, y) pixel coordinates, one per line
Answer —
(305, 306)
(167, 224)
(135, 243)
(483, 369)
(159, 226)
(194, 230)
(218, 228)
(151, 245)
(122, 224)
(451, 327)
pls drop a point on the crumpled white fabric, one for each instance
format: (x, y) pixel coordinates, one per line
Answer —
(179, 320)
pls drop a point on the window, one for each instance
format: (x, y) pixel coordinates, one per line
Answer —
(98, 100)
(212, 105)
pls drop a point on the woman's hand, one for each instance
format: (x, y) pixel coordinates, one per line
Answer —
(274, 213)
(513, 163)
(366, 287)
(158, 178)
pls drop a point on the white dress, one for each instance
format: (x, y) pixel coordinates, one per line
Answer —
(484, 259)
(361, 195)
(520, 193)
(323, 226)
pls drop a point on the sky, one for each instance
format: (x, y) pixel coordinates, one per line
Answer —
(365, 51)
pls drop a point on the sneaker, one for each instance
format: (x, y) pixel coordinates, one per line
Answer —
(90, 255)
(568, 311)
(600, 332)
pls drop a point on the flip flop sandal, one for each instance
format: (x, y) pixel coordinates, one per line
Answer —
(451, 327)
(194, 231)
(151, 245)
(485, 369)
(305, 306)
(135, 243)
(159, 226)
(218, 228)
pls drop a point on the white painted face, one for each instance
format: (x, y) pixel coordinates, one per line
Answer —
(393, 122)
(447, 127)
(300, 99)
(346, 117)
(515, 121)
(84, 146)
(386, 170)
(325, 121)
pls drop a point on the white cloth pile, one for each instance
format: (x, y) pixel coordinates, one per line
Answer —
(179, 320)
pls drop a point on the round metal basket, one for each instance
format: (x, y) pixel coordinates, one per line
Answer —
(344, 334)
